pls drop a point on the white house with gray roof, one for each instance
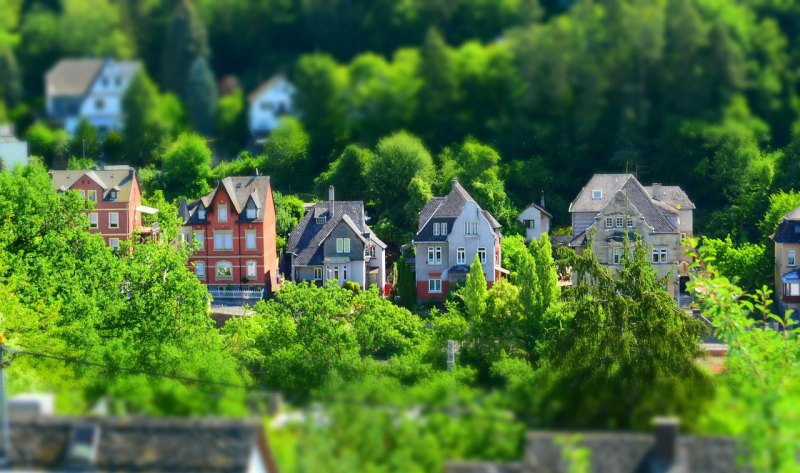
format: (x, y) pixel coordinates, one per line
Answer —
(536, 221)
(616, 206)
(334, 243)
(453, 231)
(90, 89)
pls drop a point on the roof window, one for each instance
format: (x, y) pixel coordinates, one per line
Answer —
(597, 194)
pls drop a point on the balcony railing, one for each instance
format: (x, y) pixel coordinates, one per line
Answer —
(236, 293)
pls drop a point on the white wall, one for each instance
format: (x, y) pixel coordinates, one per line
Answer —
(264, 111)
(102, 106)
(14, 153)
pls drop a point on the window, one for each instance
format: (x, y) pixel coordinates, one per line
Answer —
(434, 285)
(250, 239)
(99, 104)
(113, 243)
(434, 255)
(112, 195)
(597, 194)
(616, 256)
(620, 222)
(529, 224)
(343, 245)
(344, 272)
(320, 220)
(222, 212)
(224, 270)
(251, 210)
(118, 81)
(372, 251)
(200, 269)
(318, 273)
(631, 222)
(470, 228)
(482, 254)
(461, 256)
(92, 195)
(251, 269)
(104, 81)
(93, 220)
(444, 228)
(335, 272)
(436, 229)
(659, 255)
(82, 193)
(609, 222)
(113, 220)
(199, 239)
(793, 289)
(791, 258)
(201, 213)
(223, 240)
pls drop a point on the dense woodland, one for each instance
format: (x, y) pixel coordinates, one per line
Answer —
(513, 97)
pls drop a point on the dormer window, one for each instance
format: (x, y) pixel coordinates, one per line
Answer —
(597, 194)
(250, 210)
(112, 195)
(222, 212)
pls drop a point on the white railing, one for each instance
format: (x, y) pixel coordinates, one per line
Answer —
(235, 294)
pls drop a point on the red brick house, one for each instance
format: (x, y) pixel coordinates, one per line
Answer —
(234, 230)
(117, 198)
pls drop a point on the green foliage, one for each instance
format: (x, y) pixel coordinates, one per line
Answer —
(81, 164)
(187, 166)
(406, 285)
(474, 293)
(780, 204)
(186, 40)
(201, 97)
(231, 121)
(288, 213)
(52, 146)
(167, 217)
(346, 174)
(286, 155)
(747, 265)
(150, 120)
(85, 143)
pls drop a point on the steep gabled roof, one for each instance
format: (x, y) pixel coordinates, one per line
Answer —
(789, 229)
(673, 196)
(539, 208)
(240, 189)
(119, 178)
(608, 184)
(265, 86)
(447, 209)
(639, 198)
(307, 238)
(71, 77)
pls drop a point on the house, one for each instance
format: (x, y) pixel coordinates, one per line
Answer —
(90, 89)
(663, 451)
(452, 231)
(268, 103)
(787, 271)
(616, 206)
(12, 150)
(536, 221)
(233, 228)
(47, 443)
(116, 196)
(334, 243)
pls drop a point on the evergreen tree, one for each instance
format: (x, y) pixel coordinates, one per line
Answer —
(474, 292)
(546, 275)
(185, 41)
(406, 285)
(438, 92)
(187, 166)
(10, 79)
(201, 97)
(149, 119)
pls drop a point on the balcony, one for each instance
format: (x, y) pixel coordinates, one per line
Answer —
(246, 294)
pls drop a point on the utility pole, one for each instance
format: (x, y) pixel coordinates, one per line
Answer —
(451, 355)
(5, 456)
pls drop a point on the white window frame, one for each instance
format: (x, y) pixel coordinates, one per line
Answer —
(434, 255)
(200, 238)
(482, 254)
(91, 195)
(461, 255)
(318, 273)
(113, 220)
(222, 212)
(343, 245)
(620, 222)
(220, 265)
(344, 272)
(609, 222)
(248, 235)
(791, 258)
(223, 240)
(436, 229)
(94, 220)
(597, 194)
(435, 285)
(530, 224)
(443, 228)
(616, 256)
(631, 222)
(793, 289)
(113, 243)
(252, 268)
(200, 269)
(470, 228)
(658, 256)
(372, 251)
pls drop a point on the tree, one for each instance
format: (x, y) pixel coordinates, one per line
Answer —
(748, 265)
(438, 92)
(405, 286)
(231, 124)
(185, 41)
(346, 174)
(288, 213)
(627, 344)
(93, 28)
(187, 166)
(286, 154)
(85, 143)
(50, 145)
(201, 97)
(474, 292)
(546, 273)
(149, 119)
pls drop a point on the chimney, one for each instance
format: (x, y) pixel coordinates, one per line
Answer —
(183, 210)
(331, 200)
(455, 181)
(666, 436)
(541, 200)
(656, 191)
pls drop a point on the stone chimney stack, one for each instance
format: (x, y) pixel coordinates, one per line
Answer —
(454, 181)
(666, 430)
(656, 191)
(331, 201)
(183, 210)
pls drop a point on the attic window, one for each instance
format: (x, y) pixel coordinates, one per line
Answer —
(112, 195)
(201, 213)
(320, 220)
(251, 210)
(597, 194)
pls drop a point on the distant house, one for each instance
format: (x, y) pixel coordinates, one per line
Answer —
(334, 243)
(12, 150)
(616, 206)
(57, 444)
(536, 221)
(234, 230)
(90, 89)
(619, 452)
(268, 103)
(117, 198)
(452, 231)
(787, 271)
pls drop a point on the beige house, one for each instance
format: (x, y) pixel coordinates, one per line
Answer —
(616, 206)
(787, 275)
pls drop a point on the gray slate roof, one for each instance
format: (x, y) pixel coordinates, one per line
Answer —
(307, 239)
(72, 77)
(119, 178)
(673, 196)
(140, 444)
(445, 210)
(240, 189)
(789, 229)
(640, 199)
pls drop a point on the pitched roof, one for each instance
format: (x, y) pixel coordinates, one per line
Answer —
(141, 444)
(71, 77)
(307, 238)
(789, 229)
(673, 196)
(642, 201)
(240, 189)
(539, 208)
(119, 178)
(265, 86)
(608, 184)
(446, 209)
